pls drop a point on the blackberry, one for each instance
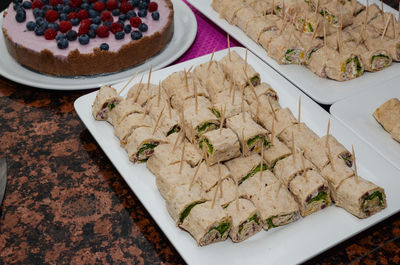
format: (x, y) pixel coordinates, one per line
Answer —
(62, 44)
(75, 21)
(53, 26)
(136, 35)
(27, 5)
(143, 27)
(155, 15)
(131, 13)
(142, 13)
(93, 13)
(31, 25)
(20, 16)
(71, 35)
(116, 12)
(127, 28)
(63, 17)
(39, 31)
(104, 47)
(92, 33)
(84, 39)
(96, 20)
(119, 35)
(38, 13)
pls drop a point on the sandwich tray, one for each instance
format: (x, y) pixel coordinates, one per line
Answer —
(324, 91)
(356, 114)
(293, 243)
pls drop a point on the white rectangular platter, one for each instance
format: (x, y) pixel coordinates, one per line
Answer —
(356, 113)
(290, 244)
(324, 91)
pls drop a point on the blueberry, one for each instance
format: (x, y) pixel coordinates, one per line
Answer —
(17, 1)
(84, 39)
(17, 7)
(116, 12)
(71, 35)
(142, 12)
(67, 9)
(136, 35)
(20, 16)
(39, 31)
(146, 1)
(41, 22)
(53, 26)
(104, 47)
(131, 13)
(46, 8)
(63, 17)
(27, 5)
(92, 33)
(96, 20)
(155, 15)
(94, 26)
(107, 23)
(31, 25)
(143, 5)
(62, 44)
(120, 35)
(60, 36)
(59, 8)
(122, 17)
(38, 12)
(65, 2)
(143, 27)
(46, 2)
(127, 28)
(135, 3)
(93, 13)
(85, 6)
(75, 21)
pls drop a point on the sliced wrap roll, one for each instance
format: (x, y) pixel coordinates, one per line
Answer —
(243, 168)
(106, 100)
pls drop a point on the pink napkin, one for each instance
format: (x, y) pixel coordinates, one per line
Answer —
(209, 37)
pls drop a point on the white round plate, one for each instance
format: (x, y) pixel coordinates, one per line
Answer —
(185, 30)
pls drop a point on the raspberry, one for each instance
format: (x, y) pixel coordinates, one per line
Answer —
(50, 34)
(75, 3)
(83, 29)
(37, 4)
(112, 4)
(152, 7)
(51, 15)
(102, 31)
(55, 2)
(86, 21)
(65, 26)
(83, 14)
(106, 16)
(116, 27)
(99, 6)
(72, 15)
(135, 22)
(125, 7)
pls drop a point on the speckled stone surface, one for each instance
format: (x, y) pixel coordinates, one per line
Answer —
(65, 203)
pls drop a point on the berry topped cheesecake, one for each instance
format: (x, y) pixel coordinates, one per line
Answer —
(86, 37)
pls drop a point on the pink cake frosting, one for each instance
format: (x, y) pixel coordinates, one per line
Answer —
(19, 33)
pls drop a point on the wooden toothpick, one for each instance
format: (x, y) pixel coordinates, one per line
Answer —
(127, 83)
(139, 89)
(229, 47)
(148, 80)
(293, 150)
(177, 140)
(261, 160)
(221, 125)
(355, 164)
(242, 107)
(245, 62)
(316, 29)
(233, 96)
(220, 180)
(196, 102)
(278, 189)
(231, 84)
(304, 169)
(216, 190)
(169, 104)
(159, 93)
(186, 81)
(299, 114)
(273, 131)
(194, 175)
(158, 120)
(243, 143)
(327, 131)
(386, 26)
(209, 63)
(182, 155)
(272, 109)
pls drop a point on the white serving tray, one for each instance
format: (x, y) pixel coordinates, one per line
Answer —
(185, 29)
(356, 113)
(289, 244)
(324, 91)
